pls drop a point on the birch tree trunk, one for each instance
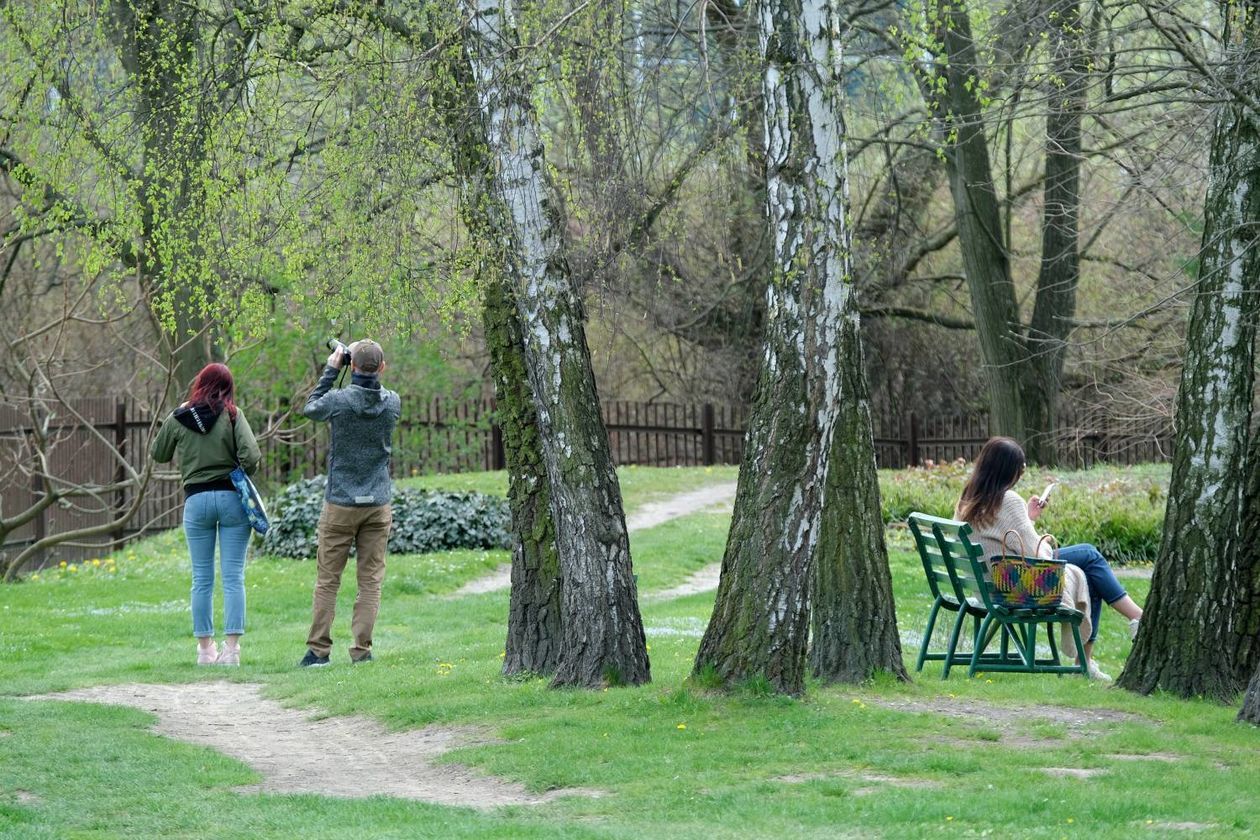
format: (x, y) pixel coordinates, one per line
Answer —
(854, 615)
(534, 629)
(1199, 628)
(534, 609)
(760, 623)
(1250, 711)
(1250, 625)
(603, 641)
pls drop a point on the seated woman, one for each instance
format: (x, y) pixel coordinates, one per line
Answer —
(992, 507)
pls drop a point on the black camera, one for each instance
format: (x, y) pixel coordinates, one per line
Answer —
(337, 347)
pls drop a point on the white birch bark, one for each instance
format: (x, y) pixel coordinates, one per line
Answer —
(603, 640)
(760, 623)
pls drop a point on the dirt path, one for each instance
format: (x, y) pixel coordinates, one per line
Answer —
(295, 753)
(648, 516)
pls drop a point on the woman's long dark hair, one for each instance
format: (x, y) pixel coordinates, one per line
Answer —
(998, 466)
(213, 386)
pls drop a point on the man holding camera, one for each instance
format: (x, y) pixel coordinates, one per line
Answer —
(357, 498)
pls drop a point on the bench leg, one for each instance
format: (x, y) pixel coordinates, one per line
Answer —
(927, 634)
(975, 652)
(953, 642)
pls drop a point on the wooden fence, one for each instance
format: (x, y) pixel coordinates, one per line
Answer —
(443, 435)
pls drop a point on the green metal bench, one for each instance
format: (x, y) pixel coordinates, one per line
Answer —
(953, 588)
(1024, 601)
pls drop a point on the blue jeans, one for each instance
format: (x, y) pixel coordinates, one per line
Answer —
(207, 515)
(1103, 585)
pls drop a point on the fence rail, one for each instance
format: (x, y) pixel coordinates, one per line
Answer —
(445, 435)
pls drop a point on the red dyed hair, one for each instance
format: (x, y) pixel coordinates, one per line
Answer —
(213, 385)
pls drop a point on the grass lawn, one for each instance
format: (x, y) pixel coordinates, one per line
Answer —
(927, 758)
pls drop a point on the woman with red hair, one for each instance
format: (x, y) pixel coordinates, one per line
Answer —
(210, 435)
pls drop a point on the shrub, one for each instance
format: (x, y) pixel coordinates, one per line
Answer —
(1118, 509)
(424, 520)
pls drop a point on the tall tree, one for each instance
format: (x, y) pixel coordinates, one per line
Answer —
(603, 640)
(760, 623)
(1198, 633)
(1060, 269)
(854, 616)
(1024, 366)
(183, 64)
(534, 628)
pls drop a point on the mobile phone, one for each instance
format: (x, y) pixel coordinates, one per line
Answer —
(1045, 494)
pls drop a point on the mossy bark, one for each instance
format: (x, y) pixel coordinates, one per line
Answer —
(854, 617)
(602, 632)
(760, 623)
(1198, 634)
(534, 628)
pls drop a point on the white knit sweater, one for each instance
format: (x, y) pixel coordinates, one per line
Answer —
(1012, 515)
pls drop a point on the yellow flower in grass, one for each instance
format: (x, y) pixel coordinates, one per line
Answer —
(61, 565)
(72, 568)
(96, 561)
(682, 726)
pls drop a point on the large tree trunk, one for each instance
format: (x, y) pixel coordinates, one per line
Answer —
(1250, 563)
(603, 640)
(854, 615)
(159, 46)
(1198, 633)
(977, 214)
(1250, 711)
(1060, 260)
(534, 630)
(759, 626)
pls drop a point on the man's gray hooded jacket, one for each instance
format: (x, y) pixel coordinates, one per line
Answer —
(362, 417)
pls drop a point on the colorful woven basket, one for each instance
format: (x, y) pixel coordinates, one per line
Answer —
(1025, 583)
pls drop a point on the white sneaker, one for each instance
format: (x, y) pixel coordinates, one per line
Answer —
(230, 655)
(207, 655)
(1133, 627)
(1095, 673)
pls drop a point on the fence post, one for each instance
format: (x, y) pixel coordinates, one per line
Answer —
(914, 439)
(707, 441)
(120, 474)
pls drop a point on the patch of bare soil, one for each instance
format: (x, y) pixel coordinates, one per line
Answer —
(875, 780)
(648, 516)
(1181, 826)
(996, 715)
(1169, 758)
(701, 580)
(332, 756)
(1074, 772)
(25, 797)
(1135, 572)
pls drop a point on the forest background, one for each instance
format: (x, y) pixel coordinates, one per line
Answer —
(293, 177)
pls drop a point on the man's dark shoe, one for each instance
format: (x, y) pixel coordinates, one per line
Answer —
(367, 657)
(312, 659)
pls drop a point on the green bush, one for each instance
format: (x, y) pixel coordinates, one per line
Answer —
(424, 520)
(1118, 509)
